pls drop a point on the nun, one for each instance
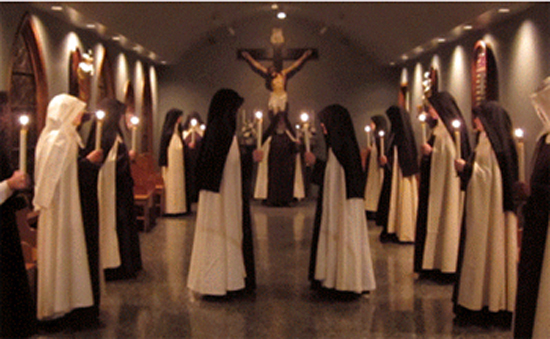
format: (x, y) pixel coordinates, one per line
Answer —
(222, 259)
(192, 136)
(172, 163)
(486, 288)
(340, 256)
(441, 200)
(398, 203)
(375, 172)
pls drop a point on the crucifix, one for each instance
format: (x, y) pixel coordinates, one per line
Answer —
(275, 76)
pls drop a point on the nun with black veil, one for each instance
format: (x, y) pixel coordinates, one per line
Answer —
(487, 265)
(121, 253)
(398, 202)
(222, 260)
(340, 253)
(192, 136)
(172, 163)
(17, 309)
(375, 172)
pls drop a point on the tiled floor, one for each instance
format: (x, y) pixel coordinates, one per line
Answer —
(158, 304)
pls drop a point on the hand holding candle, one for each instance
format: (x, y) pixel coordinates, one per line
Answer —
(456, 126)
(100, 115)
(521, 154)
(368, 129)
(259, 116)
(382, 149)
(135, 121)
(24, 120)
(305, 119)
(422, 117)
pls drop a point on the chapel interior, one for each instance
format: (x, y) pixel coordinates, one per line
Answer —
(154, 56)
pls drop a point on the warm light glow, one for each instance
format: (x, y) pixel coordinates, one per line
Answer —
(519, 133)
(194, 122)
(392, 63)
(90, 26)
(116, 38)
(304, 117)
(134, 120)
(404, 57)
(259, 114)
(422, 117)
(504, 10)
(440, 40)
(274, 6)
(24, 120)
(297, 126)
(456, 124)
(367, 128)
(203, 127)
(381, 134)
(57, 8)
(100, 115)
(281, 15)
(468, 27)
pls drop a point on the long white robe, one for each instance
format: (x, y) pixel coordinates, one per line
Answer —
(445, 206)
(217, 263)
(174, 177)
(489, 269)
(262, 183)
(343, 254)
(403, 203)
(63, 273)
(375, 179)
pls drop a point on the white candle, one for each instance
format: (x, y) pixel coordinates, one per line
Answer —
(382, 149)
(135, 121)
(456, 125)
(193, 127)
(24, 120)
(521, 154)
(305, 119)
(259, 116)
(422, 118)
(368, 129)
(99, 126)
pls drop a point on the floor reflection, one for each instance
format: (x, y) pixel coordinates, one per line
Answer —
(158, 304)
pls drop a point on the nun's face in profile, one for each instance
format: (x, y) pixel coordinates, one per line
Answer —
(325, 132)
(478, 126)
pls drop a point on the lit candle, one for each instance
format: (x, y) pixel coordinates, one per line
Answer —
(521, 154)
(24, 120)
(259, 116)
(382, 149)
(422, 118)
(305, 118)
(368, 129)
(203, 127)
(134, 121)
(100, 115)
(193, 127)
(456, 125)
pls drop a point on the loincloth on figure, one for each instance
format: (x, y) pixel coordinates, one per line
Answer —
(277, 102)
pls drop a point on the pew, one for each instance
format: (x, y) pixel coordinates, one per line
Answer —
(25, 219)
(147, 185)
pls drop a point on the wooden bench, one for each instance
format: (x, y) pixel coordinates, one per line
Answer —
(26, 218)
(146, 187)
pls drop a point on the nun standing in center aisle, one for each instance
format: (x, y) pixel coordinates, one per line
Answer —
(398, 202)
(441, 200)
(117, 217)
(375, 172)
(222, 259)
(192, 136)
(172, 163)
(340, 253)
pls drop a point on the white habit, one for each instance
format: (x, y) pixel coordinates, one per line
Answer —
(174, 176)
(489, 269)
(63, 274)
(217, 263)
(375, 179)
(343, 254)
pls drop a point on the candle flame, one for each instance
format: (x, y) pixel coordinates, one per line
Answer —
(456, 124)
(134, 120)
(422, 117)
(304, 117)
(381, 134)
(367, 128)
(24, 120)
(100, 115)
(203, 127)
(297, 126)
(518, 132)
(259, 114)
(194, 122)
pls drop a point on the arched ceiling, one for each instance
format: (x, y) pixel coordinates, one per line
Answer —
(385, 30)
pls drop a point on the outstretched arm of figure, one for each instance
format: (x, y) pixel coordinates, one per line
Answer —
(256, 66)
(295, 67)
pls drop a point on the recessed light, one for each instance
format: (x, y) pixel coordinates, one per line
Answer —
(440, 40)
(404, 57)
(90, 26)
(274, 6)
(163, 62)
(281, 15)
(504, 10)
(57, 8)
(392, 63)
(116, 38)
(468, 27)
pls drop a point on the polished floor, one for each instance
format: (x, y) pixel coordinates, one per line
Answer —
(158, 305)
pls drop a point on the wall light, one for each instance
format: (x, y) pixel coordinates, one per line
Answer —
(57, 8)
(281, 15)
(468, 27)
(504, 10)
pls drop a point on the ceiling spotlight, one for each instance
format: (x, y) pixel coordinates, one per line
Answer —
(116, 38)
(57, 8)
(504, 10)
(274, 6)
(404, 57)
(90, 26)
(392, 63)
(281, 15)
(441, 40)
(468, 27)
